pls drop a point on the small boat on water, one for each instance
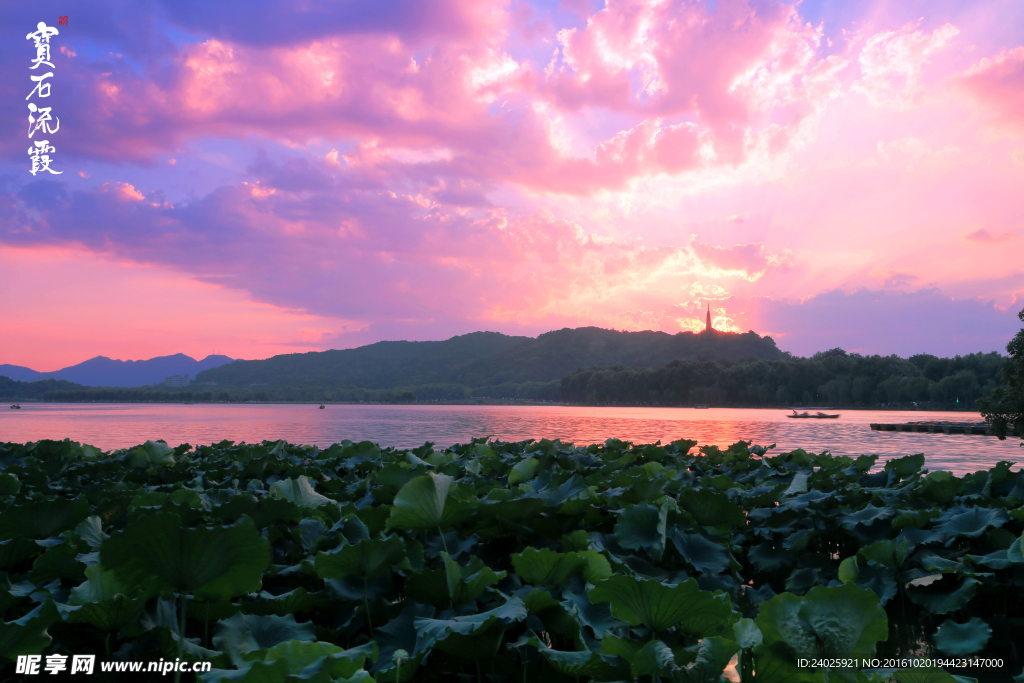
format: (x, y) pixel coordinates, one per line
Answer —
(15, 406)
(701, 407)
(322, 407)
(816, 416)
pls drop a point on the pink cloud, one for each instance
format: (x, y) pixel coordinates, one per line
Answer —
(998, 83)
(985, 237)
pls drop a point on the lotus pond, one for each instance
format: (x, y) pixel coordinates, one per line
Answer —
(528, 561)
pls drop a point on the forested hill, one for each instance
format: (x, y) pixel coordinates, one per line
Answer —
(15, 390)
(486, 360)
(834, 378)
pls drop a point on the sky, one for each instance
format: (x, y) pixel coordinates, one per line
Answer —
(285, 176)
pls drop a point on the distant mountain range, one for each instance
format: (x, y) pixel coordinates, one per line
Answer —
(486, 359)
(106, 372)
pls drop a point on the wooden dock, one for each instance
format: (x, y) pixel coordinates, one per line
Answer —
(980, 428)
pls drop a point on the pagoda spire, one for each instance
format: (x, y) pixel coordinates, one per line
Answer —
(707, 325)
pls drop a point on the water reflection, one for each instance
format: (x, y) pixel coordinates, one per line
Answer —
(119, 425)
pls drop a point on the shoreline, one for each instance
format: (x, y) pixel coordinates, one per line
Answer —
(484, 401)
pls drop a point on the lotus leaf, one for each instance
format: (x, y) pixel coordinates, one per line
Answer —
(158, 553)
(583, 664)
(43, 518)
(429, 631)
(426, 503)
(660, 607)
(522, 471)
(699, 552)
(643, 527)
(547, 568)
(944, 603)
(933, 675)
(867, 516)
(466, 584)
(245, 633)
(28, 635)
(367, 559)
(711, 509)
(298, 491)
(962, 639)
(840, 621)
(654, 659)
(972, 523)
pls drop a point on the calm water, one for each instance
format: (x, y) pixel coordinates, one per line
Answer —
(119, 425)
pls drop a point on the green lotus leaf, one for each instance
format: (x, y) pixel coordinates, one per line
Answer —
(369, 559)
(256, 672)
(660, 607)
(28, 635)
(998, 559)
(940, 488)
(15, 550)
(839, 621)
(931, 675)
(868, 515)
(907, 466)
(972, 523)
(103, 600)
(90, 530)
(426, 503)
(710, 508)
(100, 584)
(322, 661)
(888, 553)
(643, 527)
(877, 578)
(298, 491)
(767, 558)
(598, 617)
(798, 485)
(245, 633)
(1015, 553)
(524, 470)
(43, 518)
(746, 634)
(9, 484)
(654, 659)
(548, 568)
(295, 601)
(620, 647)
(944, 603)
(602, 667)
(151, 453)
(848, 570)
(466, 584)
(158, 553)
(58, 562)
(962, 639)
(702, 554)
(430, 631)
(713, 655)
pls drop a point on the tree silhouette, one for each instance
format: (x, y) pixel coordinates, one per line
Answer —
(1005, 406)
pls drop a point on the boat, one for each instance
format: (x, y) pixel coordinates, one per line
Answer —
(322, 406)
(15, 406)
(816, 416)
(701, 407)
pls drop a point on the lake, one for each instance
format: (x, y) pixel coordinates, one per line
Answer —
(119, 425)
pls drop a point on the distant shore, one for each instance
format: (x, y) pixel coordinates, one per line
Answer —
(487, 401)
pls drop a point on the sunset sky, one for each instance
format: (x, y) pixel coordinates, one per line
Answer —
(273, 177)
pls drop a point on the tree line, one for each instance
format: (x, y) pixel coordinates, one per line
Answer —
(834, 377)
